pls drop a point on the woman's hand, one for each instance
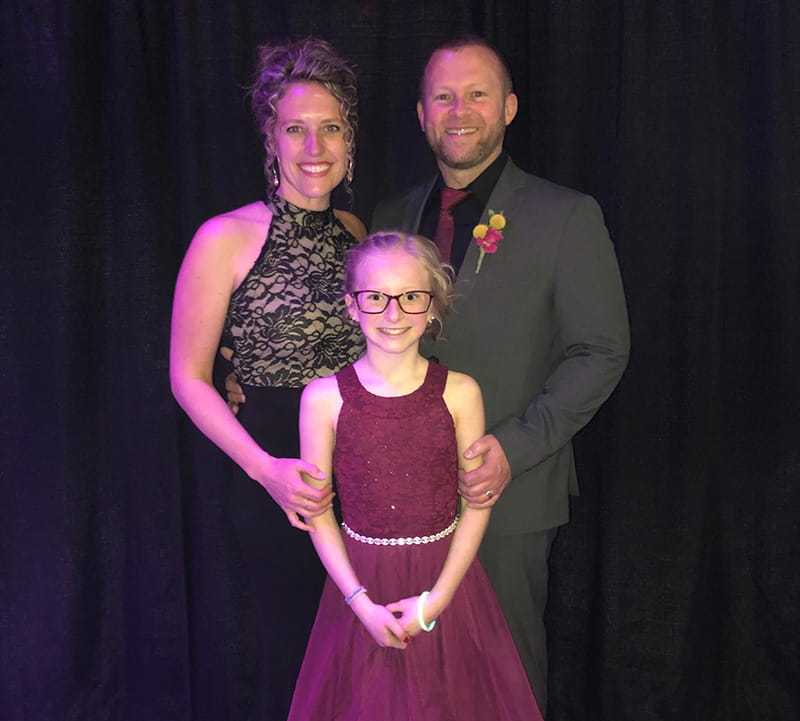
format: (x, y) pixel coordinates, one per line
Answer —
(282, 478)
(380, 622)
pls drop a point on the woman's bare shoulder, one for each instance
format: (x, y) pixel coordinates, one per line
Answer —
(356, 228)
(244, 221)
(239, 232)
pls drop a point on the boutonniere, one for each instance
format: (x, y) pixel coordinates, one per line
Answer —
(487, 236)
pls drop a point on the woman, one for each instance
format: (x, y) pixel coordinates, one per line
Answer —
(269, 275)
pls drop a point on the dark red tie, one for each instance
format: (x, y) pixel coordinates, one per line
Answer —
(444, 229)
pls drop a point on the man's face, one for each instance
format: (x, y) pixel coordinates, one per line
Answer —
(465, 109)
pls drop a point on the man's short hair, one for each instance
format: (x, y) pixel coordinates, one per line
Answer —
(468, 40)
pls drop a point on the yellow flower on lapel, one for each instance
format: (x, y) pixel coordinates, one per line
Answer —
(487, 236)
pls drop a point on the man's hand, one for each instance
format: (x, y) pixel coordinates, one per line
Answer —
(482, 486)
(233, 390)
(282, 478)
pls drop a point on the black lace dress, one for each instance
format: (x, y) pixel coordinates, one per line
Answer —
(288, 325)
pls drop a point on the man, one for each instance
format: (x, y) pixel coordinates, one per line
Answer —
(542, 326)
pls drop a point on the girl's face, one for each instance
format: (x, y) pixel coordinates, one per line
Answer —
(309, 145)
(393, 272)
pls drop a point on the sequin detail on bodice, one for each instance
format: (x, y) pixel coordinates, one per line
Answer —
(395, 459)
(287, 319)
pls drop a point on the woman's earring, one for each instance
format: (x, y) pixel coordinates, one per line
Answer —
(349, 173)
(274, 172)
(430, 319)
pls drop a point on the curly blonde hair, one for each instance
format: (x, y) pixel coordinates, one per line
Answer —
(440, 274)
(310, 60)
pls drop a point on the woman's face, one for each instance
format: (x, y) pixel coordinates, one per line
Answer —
(309, 143)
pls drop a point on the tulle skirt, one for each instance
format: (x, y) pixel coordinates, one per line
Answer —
(466, 669)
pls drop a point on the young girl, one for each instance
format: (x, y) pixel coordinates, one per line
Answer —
(408, 626)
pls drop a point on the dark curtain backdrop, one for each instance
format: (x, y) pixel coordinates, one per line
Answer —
(675, 591)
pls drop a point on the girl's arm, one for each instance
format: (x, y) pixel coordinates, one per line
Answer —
(463, 398)
(206, 280)
(319, 409)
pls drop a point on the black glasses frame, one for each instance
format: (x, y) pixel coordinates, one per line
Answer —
(390, 298)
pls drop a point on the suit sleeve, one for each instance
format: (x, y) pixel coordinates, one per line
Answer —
(592, 323)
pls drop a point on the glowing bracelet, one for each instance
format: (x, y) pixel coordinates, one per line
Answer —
(349, 599)
(420, 617)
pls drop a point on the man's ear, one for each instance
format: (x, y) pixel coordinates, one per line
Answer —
(421, 115)
(511, 107)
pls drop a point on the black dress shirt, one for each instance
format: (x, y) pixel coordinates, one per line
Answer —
(467, 214)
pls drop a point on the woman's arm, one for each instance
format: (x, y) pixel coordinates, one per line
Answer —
(319, 409)
(463, 398)
(209, 274)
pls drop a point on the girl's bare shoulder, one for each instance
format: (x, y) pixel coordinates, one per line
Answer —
(462, 393)
(461, 383)
(322, 387)
(322, 393)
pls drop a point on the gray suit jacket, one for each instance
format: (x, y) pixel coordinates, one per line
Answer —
(543, 328)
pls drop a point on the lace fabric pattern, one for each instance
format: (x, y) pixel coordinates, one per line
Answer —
(287, 318)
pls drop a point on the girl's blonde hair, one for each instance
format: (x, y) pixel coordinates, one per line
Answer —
(440, 274)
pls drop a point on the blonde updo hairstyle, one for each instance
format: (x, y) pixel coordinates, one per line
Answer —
(311, 60)
(440, 274)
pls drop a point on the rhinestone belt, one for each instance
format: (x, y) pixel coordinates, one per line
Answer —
(414, 541)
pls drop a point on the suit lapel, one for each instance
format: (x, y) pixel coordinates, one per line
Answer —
(413, 212)
(499, 201)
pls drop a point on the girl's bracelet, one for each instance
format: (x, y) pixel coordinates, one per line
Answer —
(420, 617)
(349, 599)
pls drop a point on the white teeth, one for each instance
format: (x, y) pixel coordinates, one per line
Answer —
(315, 168)
(461, 131)
(393, 331)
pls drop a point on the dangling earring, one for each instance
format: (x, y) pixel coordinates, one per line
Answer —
(430, 320)
(273, 169)
(349, 173)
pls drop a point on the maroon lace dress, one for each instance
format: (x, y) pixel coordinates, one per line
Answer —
(396, 469)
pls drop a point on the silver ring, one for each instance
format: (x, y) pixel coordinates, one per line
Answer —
(489, 494)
